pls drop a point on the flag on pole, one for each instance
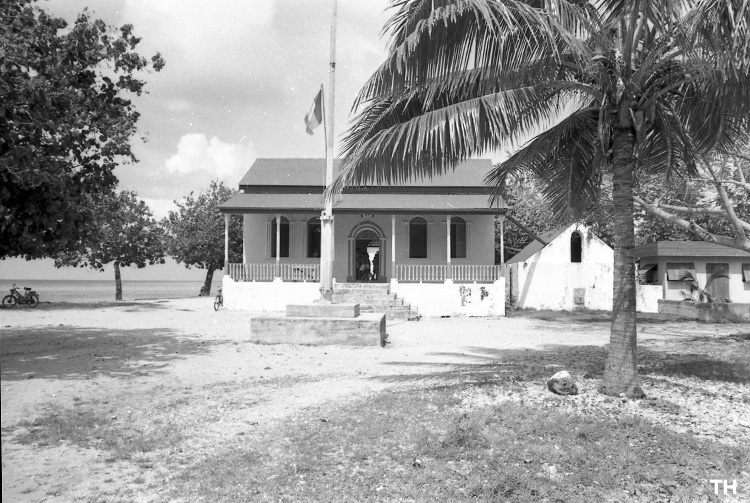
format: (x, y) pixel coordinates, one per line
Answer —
(314, 117)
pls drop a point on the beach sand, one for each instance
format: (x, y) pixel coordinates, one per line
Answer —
(179, 360)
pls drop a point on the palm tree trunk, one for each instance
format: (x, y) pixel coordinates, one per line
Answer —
(206, 288)
(118, 281)
(621, 370)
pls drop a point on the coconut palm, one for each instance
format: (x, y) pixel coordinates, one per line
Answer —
(581, 90)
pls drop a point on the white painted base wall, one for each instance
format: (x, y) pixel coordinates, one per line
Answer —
(430, 299)
(267, 296)
(540, 285)
(444, 299)
(647, 300)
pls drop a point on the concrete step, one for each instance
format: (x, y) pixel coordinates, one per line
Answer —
(363, 295)
(371, 308)
(354, 299)
(380, 304)
(381, 289)
(411, 314)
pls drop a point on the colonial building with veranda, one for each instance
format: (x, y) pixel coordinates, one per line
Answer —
(431, 241)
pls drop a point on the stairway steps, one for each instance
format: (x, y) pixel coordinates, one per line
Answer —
(374, 297)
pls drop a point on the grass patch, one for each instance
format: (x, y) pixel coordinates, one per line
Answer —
(419, 446)
(89, 428)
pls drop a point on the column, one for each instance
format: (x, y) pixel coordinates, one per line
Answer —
(501, 218)
(277, 270)
(227, 216)
(393, 248)
(351, 274)
(449, 269)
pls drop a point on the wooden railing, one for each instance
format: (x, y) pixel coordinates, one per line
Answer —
(421, 273)
(478, 273)
(267, 272)
(459, 273)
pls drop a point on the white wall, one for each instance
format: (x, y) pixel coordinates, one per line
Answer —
(647, 298)
(552, 286)
(548, 279)
(444, 299)
(267, 295)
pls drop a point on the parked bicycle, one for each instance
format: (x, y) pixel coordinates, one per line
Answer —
(29, 298)
(219, 302)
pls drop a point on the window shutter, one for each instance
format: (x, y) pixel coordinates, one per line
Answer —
(678, 271)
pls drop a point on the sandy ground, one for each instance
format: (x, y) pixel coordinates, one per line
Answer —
(138, 357)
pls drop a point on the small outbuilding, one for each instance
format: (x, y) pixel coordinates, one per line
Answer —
(570, 268)
(665, 266)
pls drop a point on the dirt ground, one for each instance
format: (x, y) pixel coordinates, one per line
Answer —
(180, 360)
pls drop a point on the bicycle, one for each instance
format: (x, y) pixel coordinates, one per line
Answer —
(30, 298)
(219, 302)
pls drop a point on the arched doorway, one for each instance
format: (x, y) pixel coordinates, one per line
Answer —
(367, 254)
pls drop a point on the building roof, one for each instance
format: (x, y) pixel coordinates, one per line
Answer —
(687, 249)
(311, 173)
(535, 246)
(357, 203)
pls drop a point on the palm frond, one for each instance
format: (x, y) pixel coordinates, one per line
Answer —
(458, 35)
(563, 157)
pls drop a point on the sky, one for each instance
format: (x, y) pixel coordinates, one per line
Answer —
(240, 76)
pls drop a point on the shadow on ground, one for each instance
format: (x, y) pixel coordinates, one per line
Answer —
(70, 352)
(490, 365)
(84, 306)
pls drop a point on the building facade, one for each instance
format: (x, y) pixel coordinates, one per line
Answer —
(426, 238)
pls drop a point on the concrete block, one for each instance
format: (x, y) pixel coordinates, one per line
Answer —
(322, 310)
(368, 329)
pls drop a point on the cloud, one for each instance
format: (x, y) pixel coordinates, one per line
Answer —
(159, 207)
(225, 161)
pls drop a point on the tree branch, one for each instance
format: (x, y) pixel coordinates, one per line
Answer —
(737, 223)
(740, 241)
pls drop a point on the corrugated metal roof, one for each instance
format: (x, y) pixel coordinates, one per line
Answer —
(391, 203)
(311, 172)
(687, 249)
(532, 248)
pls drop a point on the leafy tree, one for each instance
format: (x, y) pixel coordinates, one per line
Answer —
(125, 234)
(713, 205)
(65, 123)
(527, 205)
(195, 232)
(581, 89)
(524, 195)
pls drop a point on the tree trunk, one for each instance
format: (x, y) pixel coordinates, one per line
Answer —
(621, 370)
(118, 282)
(206, 288)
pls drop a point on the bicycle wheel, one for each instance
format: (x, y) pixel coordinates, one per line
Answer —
(217, 303)
(9, 301)
(34, 300)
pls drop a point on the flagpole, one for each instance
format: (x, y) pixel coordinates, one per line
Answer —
(326, 218)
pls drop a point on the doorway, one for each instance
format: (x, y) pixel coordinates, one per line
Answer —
(366, 254)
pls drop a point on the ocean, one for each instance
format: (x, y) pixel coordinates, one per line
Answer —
(103, 291)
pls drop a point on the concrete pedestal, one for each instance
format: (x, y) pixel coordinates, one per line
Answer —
(367, 329)
(322, 310)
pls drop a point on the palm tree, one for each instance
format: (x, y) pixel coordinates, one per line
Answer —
(582, 91)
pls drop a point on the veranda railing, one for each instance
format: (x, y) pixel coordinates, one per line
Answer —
(267, 272)
(459, 273)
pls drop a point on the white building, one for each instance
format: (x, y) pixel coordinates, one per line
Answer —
(434, 239)
(574, 269)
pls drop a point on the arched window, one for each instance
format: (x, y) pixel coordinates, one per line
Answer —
(313, 237)
(284, 227)
(418, 238)
(576, 242)
(458, 237)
